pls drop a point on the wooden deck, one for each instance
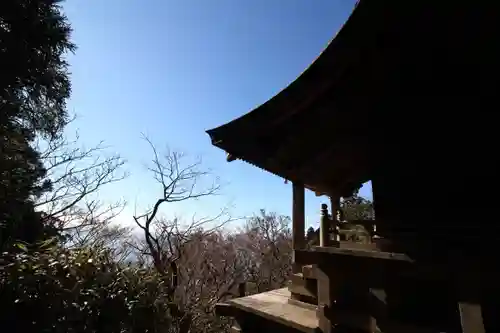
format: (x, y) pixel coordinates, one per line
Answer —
(274, 305)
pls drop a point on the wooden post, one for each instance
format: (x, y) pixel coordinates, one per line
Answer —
(324, 226)
(335, 206)
(298, 221)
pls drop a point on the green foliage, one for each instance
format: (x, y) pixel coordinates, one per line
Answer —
(34, 87)
(34, 37)
(357, 208)
(80, 291)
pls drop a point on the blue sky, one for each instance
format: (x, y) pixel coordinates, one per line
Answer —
(173, 69)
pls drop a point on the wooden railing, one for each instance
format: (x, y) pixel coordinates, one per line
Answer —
(334, 233)
(304, 287)
(330, 227)
(331, 233)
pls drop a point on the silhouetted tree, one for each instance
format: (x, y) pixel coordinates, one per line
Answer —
(34, 87)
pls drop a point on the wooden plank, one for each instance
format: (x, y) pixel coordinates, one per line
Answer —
(274, 306)
(376, 265)
(368, 253)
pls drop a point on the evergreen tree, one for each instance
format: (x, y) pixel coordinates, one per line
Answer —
(34, 88)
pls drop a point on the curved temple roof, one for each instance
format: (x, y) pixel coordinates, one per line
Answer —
(300, 134)
(283, 104)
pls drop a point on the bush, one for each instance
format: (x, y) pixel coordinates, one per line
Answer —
(80, 291)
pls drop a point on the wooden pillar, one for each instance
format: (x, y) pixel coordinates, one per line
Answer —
(298, 221)
(335, 206)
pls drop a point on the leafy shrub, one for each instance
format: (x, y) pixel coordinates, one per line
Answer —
(79, 291)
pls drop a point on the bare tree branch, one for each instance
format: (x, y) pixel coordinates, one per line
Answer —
(178, 182)
(76, 175)
(173, 247)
